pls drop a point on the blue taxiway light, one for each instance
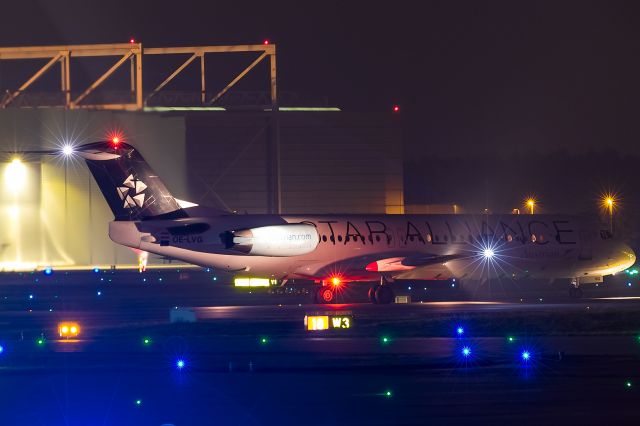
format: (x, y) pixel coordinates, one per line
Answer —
(466, 351)
(525, 355)
(1, 349)
(460, 331)
(48, 270)
(180, 364)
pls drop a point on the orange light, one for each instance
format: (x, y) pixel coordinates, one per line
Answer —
(68, 329)
(336, 281)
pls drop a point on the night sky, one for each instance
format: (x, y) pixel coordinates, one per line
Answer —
(515, 96)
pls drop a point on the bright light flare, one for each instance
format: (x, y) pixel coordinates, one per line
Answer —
(68, 329)
(466, 352)
(67, 150)
(180, 364)
(460, 331)
(488, 253)
(609, 200)
(15, 176)
(336, 281)
(525, 355)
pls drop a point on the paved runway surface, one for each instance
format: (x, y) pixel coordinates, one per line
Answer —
(256, 365)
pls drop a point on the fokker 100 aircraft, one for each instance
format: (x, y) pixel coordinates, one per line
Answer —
(335, 250)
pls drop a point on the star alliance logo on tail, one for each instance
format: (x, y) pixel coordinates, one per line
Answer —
(132, 192)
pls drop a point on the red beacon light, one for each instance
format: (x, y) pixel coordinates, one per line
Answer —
(396, 108)
(115, 141)
(132, 40)
(265, 42)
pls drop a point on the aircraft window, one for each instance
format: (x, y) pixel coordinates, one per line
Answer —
(453, 238)
(411, 238)
(324, 238)
(192, 228)
(370, 238)
(533, 238)
(346, 239)
(428, 238)
(362, 238)
(333, 239)
(436, 238)
(509, 238)
(446, 238)
(541, 238)
(378, 238)
(340, 238)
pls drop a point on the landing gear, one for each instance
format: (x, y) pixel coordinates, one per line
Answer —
(325, 294)
(575, 292)
(381, 294)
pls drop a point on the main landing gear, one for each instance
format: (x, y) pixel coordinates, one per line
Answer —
(381, 294)
(575, 292)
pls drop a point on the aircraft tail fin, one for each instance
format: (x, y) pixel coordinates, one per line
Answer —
(130, 186)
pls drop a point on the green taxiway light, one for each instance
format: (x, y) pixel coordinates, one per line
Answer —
(628, 383)
(146, 341)
(264, 340)
(511, 339)
(40, 341)
(384, 340)
(388, 394)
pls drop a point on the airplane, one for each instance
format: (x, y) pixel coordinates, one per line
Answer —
(335, 250)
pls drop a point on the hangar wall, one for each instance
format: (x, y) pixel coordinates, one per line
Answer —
(52, 212)
(331, 162)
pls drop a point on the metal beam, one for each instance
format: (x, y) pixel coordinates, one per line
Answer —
(238, 78)
(207, 49)
(172, 75)
(78, 50)
(101, 79)
(7, 100)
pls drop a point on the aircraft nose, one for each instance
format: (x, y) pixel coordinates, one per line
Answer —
(627, 256)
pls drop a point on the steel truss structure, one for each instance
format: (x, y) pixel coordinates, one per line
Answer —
(134, 54)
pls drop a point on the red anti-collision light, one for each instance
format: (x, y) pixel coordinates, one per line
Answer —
(265, 42)
(396, 108)
(115, 140)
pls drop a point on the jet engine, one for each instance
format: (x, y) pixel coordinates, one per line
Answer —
(276, 240)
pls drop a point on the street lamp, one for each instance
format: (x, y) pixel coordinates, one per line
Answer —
(530, 203)
(609, 202)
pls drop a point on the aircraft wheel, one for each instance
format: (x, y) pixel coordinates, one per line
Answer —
(372, 294)
(384, 295)
(326, 295)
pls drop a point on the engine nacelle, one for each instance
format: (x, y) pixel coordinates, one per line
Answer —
(276, 240)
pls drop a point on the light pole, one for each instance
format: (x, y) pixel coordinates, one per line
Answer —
(531, 204)
(609, 202)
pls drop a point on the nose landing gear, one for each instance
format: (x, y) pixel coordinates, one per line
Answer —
(575, 292)
(381, 294)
